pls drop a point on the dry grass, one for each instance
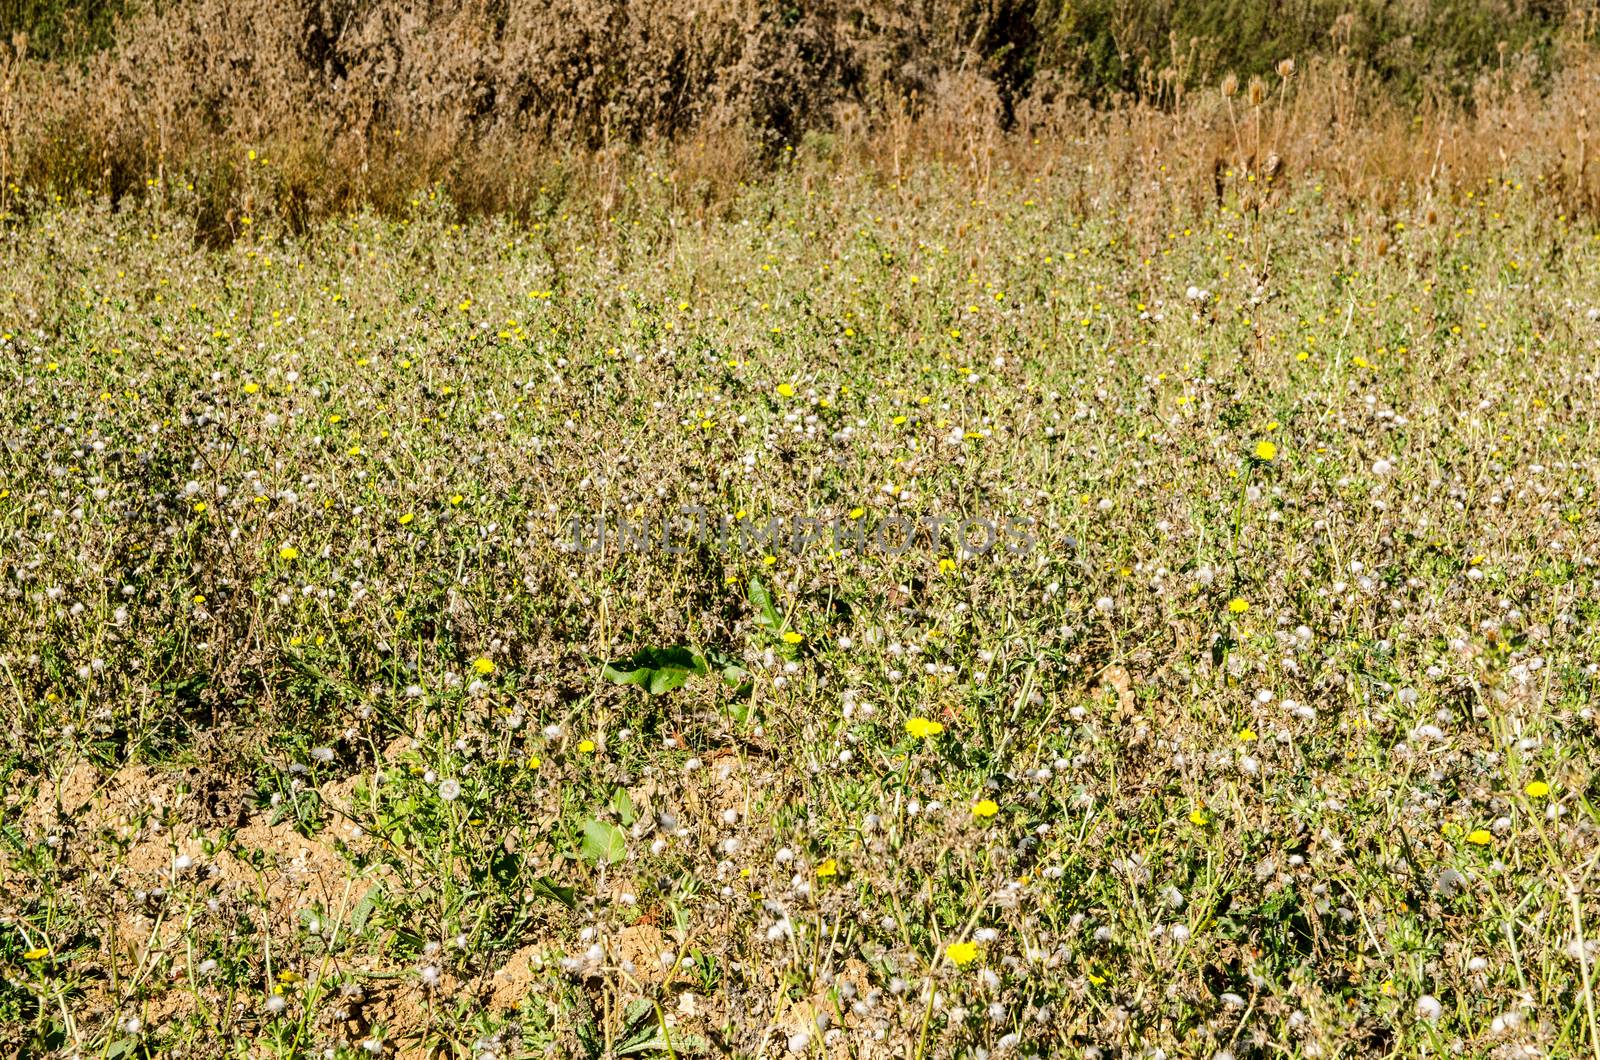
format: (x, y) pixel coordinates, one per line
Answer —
(359, 104)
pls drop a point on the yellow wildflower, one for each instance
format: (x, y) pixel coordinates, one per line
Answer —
(961, 954)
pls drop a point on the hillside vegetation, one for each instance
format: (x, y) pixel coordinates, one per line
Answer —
(364, 102)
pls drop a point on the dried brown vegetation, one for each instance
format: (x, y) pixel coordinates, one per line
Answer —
(515, 108)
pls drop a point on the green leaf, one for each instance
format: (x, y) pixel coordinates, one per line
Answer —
(642, 1033)
(637, 1026)
(544, 887)
(690, 1043)
(622, 806)
(657, 1043)
(603, 843)
(767, 615)
(731, 669)
(658, 670)
(364, 908)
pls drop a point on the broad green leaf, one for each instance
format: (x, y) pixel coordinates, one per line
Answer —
(544, 887)
(637, 1026)
(603, 843)
(643, 1034)
(767, 614)
(657, 670)
(680, 1043)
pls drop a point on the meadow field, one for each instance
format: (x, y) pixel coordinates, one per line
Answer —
(1038, 613)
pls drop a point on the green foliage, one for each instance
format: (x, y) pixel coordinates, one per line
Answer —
(1114, 48)
(58, 29)
(603, 843)
(657, 670)
(660, 670)
(767, 615)
(644, 1034)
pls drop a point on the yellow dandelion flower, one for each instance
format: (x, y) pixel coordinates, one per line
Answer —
(288, 552)
(785, 390)
(1480, 837)
(961, 954)
(586, 746)
(405, 520)
(1266, 451)
(484, 666)
(985, 808)
(923, 729)
(1238, 606)
(792, 637)
(828, 869)
(1537, 789)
